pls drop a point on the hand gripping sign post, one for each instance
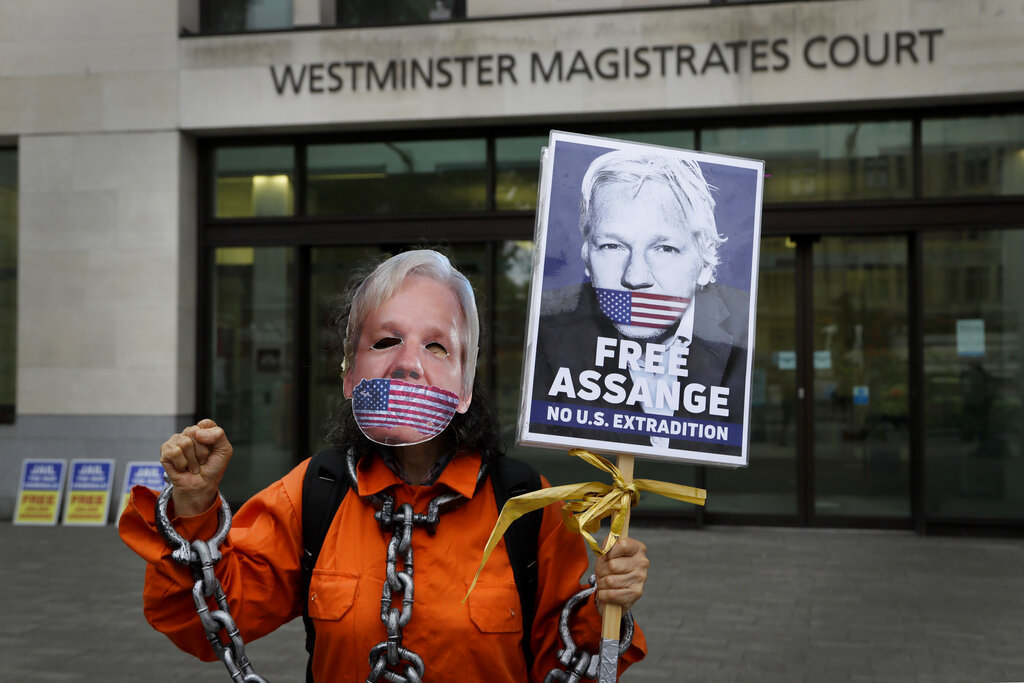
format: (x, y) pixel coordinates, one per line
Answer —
(641, 321)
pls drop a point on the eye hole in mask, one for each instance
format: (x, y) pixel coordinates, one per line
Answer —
(436, 348)
(396, 413)
(386, 343)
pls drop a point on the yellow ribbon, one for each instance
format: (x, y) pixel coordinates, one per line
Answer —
(587, 504)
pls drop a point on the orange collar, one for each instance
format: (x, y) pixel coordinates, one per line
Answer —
(373, 476)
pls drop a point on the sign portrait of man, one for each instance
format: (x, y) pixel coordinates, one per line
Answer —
(643, 324)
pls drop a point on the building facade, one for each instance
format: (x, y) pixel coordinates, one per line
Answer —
(185, 189)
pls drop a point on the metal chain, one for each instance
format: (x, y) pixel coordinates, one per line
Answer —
(389, 659)
(578, 664)
(201, 556)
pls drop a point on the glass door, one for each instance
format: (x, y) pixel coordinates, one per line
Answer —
(251, 388)
(769, 485)
(829, 436)
(860, 372)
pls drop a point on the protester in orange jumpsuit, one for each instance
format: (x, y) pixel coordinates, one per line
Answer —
(413, 322)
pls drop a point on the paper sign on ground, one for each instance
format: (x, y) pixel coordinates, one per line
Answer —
(88, 499)
(141, 473)
(640, 328)
(39, 491)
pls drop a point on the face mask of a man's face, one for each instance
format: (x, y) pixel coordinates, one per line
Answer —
(408, 367)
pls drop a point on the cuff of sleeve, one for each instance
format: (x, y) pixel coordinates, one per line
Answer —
(204, 525)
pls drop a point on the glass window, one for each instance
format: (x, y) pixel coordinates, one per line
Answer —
(973, 377)
(397, 177)
(237, 16)
(681, 139)
(517, 170)
(512, 292)
(981, 155)
(392, 12)
(825, 162)
(517, 164)
(254, 181)
(252, 351)
(8, 280)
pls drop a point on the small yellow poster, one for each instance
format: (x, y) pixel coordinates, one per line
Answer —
(88, 502)
(39, 491)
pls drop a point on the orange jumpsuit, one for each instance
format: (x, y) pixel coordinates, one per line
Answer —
(460, 642)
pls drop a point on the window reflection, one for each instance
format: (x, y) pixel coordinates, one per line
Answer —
(397, 177)
(682, 139)
(512, 289)
(861, 377)
(981, 155)
(973, 391)
(768, 485)
(393, 12)
(517, 169)
(819, 162)
(517, 163)
(331, 268)
(254, 181)
(252, 382)
(236, 16)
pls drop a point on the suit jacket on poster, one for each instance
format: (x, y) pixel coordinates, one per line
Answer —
(571, 320)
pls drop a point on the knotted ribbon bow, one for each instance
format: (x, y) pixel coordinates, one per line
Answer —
(587, 504)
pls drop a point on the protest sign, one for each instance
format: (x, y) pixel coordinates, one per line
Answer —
(88, 498)
(640, 327)
(140, 473)
(39, 491)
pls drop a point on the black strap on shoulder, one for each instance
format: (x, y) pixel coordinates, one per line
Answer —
(510, 478)
(326, 483)
(323, 488)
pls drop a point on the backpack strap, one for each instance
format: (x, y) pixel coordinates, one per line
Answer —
(510, 478)
(323, 488)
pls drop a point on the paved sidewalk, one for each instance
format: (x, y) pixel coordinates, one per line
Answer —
(723, 604)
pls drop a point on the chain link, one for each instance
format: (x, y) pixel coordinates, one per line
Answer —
(201, 556)
(577, 663)
(389, 659)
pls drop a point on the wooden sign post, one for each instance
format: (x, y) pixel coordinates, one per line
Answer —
(611, 620)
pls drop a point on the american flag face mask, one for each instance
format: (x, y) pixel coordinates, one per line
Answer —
(396, 413)
(641, 308)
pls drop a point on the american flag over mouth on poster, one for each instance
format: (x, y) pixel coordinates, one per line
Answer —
(642, 308)
(391, 403)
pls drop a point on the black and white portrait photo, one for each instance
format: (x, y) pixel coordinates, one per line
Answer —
(641, 317)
